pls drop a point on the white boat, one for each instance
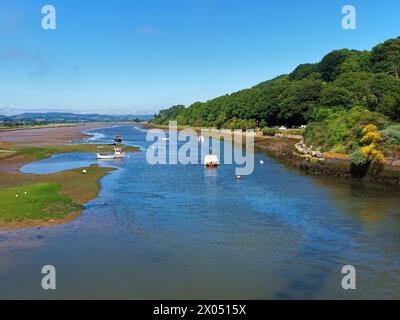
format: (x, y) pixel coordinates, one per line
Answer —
(105, 156)
(118, 153)
(211, 161)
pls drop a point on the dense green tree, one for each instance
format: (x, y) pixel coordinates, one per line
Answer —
(336, 97)
(168, 114)
(357, 61)
(359, 84)
(390, 106)
(385, 57)
(297, 100)
(303, 71)
(330, 65)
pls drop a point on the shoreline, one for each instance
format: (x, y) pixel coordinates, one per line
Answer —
(31, 145)
(334, 165)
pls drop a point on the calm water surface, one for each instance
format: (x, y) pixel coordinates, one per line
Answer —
(187, 232)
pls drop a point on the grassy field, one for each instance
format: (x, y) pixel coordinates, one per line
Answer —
(35, 201)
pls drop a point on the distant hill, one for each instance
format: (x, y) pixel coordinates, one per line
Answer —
(65, 117)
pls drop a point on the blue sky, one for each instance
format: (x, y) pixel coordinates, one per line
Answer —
(120, 56)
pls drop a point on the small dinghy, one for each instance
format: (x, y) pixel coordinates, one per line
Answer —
(117, 140)
(211, 161)
(118, 153)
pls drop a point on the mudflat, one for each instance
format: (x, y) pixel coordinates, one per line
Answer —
(31, 200)
(47, 136)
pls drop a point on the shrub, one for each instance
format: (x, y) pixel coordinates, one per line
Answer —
(371, 135)
(372, 138)
(296, 132)
(392, 134)
(339, 149)
(357, 158)
(266, 131)
(242, 124)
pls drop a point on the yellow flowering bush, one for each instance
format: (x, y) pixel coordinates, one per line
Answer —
(370, 128)
(372, 137)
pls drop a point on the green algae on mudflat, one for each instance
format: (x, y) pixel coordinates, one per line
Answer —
(35, 201)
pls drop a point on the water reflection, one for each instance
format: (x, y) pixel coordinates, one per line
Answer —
(60, 162)
(370, 203)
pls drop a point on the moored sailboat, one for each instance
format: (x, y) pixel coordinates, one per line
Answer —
(211, 161)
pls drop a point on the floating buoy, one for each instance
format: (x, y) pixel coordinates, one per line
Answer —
(262, 162)
(238, 177)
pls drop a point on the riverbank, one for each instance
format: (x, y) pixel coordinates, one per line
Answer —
(332, 165)
(30, 200)
(329, 165)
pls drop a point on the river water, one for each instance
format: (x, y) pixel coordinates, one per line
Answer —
(183, 232)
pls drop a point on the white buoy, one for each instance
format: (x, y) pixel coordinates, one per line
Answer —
(262, 162)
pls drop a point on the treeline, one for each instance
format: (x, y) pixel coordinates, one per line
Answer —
(60, 117)
(342, 80)
(16, 124)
